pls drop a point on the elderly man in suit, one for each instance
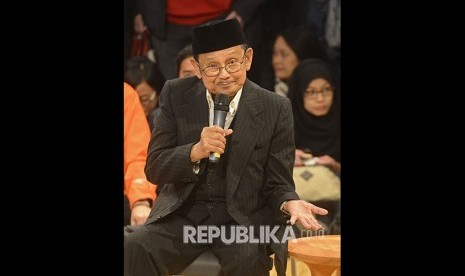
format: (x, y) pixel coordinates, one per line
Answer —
(250, 186)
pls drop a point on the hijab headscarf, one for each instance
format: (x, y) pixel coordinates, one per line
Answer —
(319, 134)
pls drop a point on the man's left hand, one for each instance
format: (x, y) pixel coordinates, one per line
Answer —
(304, 212)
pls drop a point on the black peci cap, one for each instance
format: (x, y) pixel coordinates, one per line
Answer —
(217, 35)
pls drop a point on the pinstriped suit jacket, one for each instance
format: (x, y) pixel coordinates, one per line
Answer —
(260, 162)
(259, 172)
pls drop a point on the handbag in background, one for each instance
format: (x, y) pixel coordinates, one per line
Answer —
(315, 183)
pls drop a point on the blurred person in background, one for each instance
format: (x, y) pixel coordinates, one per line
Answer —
(183, 62)
(289, 48)
(143, 75)
(171, 21)
(139, 194)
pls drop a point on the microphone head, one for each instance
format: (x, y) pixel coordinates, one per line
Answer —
(222, 102)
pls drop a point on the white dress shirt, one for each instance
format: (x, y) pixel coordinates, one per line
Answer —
(233, 106)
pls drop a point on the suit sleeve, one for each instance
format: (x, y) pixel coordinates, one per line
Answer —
(279, 184)
(136, 139)
(168, 162)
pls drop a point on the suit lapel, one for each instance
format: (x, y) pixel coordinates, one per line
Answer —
(196, 110)
(246, 132)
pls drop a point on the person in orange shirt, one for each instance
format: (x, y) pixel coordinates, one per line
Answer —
(138, 192)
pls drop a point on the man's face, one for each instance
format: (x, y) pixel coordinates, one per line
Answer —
(185, 68)
(211, 69)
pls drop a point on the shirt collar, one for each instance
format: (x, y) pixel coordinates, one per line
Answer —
(233, 105)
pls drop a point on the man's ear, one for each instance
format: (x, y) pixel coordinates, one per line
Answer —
(196, 68)
(248, 58)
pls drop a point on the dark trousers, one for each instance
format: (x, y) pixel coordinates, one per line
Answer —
(159, 249)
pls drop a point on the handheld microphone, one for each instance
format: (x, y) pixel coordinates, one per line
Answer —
(220, 111)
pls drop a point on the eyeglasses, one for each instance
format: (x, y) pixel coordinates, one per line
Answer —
(214, 70)
(313, 94)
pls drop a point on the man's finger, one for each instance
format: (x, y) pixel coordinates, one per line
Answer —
(316, 210)
(293, 219)
(319, 211)
(310, 223)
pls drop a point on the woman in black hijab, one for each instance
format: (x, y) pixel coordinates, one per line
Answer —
(316, 109)
(315, 105)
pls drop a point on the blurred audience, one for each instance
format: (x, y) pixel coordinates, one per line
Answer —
(133, 26)
(170, 23)
(139, 193)
(324, 19)
(143, 75)
(290, 47)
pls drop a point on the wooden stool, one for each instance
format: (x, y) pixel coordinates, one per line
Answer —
(322, 254)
